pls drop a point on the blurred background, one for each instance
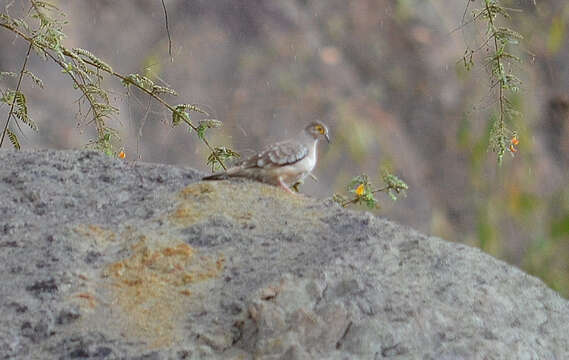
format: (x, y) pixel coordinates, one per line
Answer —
(385, 75)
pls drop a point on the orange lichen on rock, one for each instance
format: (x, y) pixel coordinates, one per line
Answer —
(193, 190)
(89, 298)
(199, 202)
(151, 287)
(96, 234)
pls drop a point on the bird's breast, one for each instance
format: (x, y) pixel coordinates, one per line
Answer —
(309, 162)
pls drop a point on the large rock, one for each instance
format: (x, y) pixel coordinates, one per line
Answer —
(108, 259)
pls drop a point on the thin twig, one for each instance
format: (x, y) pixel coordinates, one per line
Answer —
(381, 189)
(143, 122)
(168, 32)
(462, 23)
(88, 96)
(15, 94)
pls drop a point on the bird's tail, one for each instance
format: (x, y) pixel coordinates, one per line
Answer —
(218, 176)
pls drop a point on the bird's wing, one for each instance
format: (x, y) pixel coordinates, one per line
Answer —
(279, 154)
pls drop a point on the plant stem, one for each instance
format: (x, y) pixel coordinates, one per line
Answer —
(500, 79)
(10, 113)
(380, 189)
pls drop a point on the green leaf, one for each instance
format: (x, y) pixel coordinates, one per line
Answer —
(210, 123)
(223, 153)
(157, 89)
(395, 186)
(34, 78)
(356, 181)
(340, 199)
(138, 80)
(21, 111)
(45, 4)
(68, 68)
(201, 131)
(95, 60)
(102, 110)
(192, 107)
(179, 115)
(468, 59)
(5, 74)
(369, 200)
(13, 138)
(7, 97)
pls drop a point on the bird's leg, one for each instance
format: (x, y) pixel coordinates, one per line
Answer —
(284, 186)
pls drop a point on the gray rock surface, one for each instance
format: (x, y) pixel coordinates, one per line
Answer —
(109, 259)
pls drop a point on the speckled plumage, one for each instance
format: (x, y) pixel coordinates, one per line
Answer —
(282, 164)
(278, 154)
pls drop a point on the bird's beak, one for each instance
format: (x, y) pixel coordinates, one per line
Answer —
(327, 137)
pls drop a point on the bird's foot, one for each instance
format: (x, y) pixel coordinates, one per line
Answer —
(286, 188)
(295, 186)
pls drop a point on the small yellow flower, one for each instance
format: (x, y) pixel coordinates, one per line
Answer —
(360, 190)
(515, 141)
(121, 155)
(513, 149)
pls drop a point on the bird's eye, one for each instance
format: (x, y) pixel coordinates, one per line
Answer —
(320, 129)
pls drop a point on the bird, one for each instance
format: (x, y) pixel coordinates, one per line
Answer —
(282, 164)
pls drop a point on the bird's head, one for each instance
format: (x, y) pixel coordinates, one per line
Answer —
(317, 129)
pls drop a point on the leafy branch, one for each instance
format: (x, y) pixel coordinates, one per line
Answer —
(86, 72)
(363, 192)
(500, 39)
